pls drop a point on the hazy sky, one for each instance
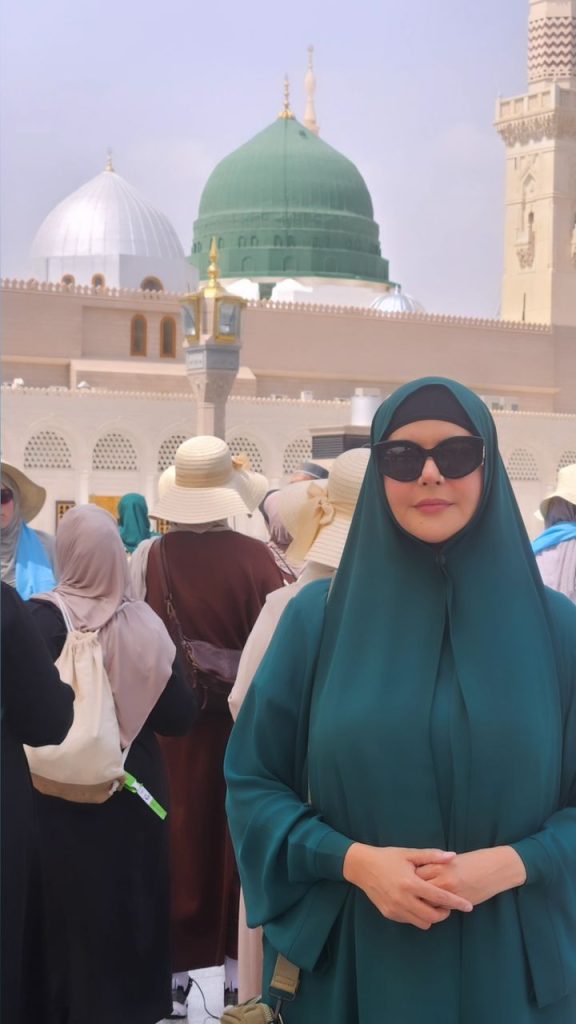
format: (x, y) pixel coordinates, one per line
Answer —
(406, 90)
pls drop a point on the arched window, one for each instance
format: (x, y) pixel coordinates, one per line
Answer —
(138, 336)
(98, 281)
(522, 466)
(220, 243)
(114, 452)
(152, 284)
(168, 337)
(68, 279)
(47, 450)
(295, 452)
(290, 240)
(241, 242)
(254, 240)
(247, 263)
(168, 449)
(244, 446)
(567, 458)
(278, 240)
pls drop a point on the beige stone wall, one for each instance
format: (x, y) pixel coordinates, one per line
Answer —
(82, 322)
(286, 349)
(37, 321)
(332, 352)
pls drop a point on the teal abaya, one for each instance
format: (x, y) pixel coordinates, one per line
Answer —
(427, 700)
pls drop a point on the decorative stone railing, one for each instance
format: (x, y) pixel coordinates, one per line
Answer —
(32, 285)
(376, 314)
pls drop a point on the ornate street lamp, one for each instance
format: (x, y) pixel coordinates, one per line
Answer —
(211, 321)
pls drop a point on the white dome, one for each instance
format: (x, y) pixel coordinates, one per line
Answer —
(397, 302)
(106, 217)
(107, 227)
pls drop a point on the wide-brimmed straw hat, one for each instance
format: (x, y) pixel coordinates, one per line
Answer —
(207, 485)
(318, 514)
(32, 496)
(565, 488)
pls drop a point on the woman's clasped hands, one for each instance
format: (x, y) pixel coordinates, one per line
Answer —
(423, 887)
(389, 877)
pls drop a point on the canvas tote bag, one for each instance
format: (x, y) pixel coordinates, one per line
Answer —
(88, 766)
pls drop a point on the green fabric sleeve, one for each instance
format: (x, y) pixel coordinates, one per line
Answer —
(547, 902)
(538, 852)
(290, 860)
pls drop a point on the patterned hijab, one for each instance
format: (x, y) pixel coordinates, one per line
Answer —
(95, 588)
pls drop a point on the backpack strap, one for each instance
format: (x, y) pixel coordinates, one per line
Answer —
(65, 614)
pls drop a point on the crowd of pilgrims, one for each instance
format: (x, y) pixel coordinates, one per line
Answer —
(389, 772)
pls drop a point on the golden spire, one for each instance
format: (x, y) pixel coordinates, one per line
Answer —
(213, 288)
(286, 114)
(310, 86)
(109, 165)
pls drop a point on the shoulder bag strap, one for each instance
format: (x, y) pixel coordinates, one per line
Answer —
(173, 623)
(165, 580)
(284, 983)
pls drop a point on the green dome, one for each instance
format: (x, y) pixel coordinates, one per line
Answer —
(288, 204)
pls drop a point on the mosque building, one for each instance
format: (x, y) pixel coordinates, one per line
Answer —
(95, 397)
(292, 216)
(107, 235)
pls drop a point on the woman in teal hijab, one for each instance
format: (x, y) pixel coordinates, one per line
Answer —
(402, 775)
(133, 521)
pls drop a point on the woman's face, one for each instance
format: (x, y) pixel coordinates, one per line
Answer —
(6, 508)
(433, 508)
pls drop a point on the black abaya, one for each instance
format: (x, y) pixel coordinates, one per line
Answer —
(37, 708)
(105, 880)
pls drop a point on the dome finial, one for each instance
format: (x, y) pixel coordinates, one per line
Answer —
(286, 114)
(109, 164)
(213, 288)
(310, 86)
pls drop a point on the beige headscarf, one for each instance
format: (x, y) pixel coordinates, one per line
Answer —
(95, 588)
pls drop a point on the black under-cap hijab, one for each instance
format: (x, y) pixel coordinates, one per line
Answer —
(430, 402)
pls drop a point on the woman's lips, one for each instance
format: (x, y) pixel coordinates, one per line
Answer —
(433, 506)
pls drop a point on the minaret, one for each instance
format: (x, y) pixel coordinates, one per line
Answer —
(310, 87)
(552, 43)
(539, 131)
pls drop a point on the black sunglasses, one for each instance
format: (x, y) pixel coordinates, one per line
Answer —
(6, 495)
(455, 457)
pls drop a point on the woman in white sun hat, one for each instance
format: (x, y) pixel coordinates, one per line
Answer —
(555, 549)
(318, 515)
(218, 580)
(27, 554)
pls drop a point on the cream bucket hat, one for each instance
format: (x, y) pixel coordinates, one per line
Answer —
(565, 488)
(32, 496)
(318, 515)
(206, 484)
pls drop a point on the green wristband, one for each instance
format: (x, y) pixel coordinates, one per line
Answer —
(132, 784)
